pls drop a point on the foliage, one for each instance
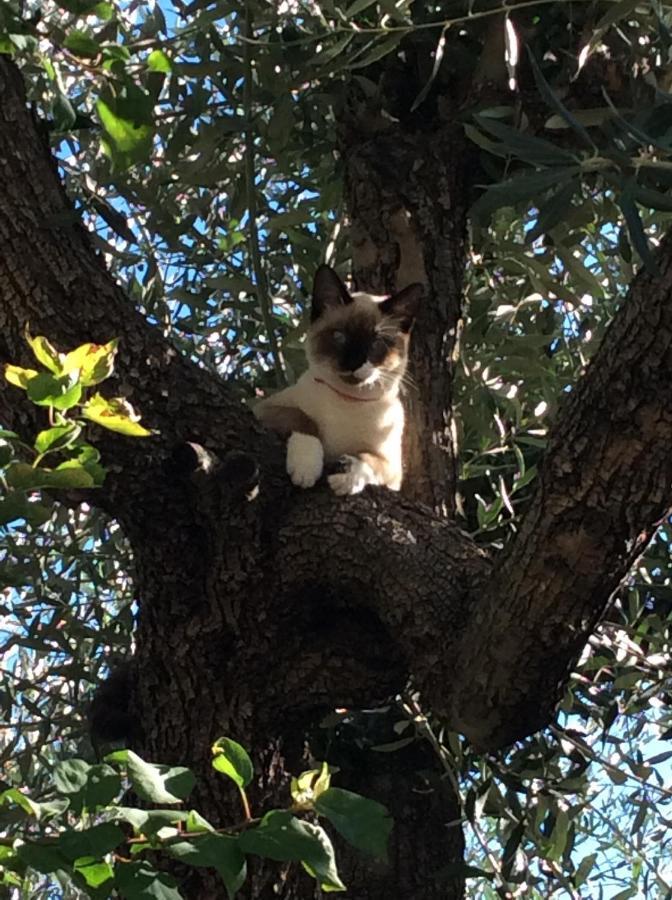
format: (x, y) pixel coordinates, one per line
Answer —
(61, 388)
(198, 144)
(82, 835)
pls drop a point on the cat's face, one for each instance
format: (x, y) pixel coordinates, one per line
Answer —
(358, 340)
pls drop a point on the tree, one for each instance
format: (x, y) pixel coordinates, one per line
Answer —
(514, 159)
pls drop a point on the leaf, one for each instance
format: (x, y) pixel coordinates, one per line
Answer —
(616, 12)
(157, 61)
(554, 210)
(525, 146)
(217, 851)
(127, 129)
(378, 52)
(14, 795)
(47, 390)
(438, 57)
(13, 507)
(148, 822)
(43, 858)
(70, 474)
(309, 785)
(45, 353)
(19, 377)
(357, 7)
(81, 44)
(95, 841)
(71, 776)
(232, 759)
(139, 881)
(158, 784)
(283, 837)
(554, 102)
(95, 873)
(583, 870)
(93, 362)
(526, 187)
(364, 823)
(115, 414)
(57, 438)
(102, 787)
(635, 229)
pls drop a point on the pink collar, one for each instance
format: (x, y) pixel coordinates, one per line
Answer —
(345, 396)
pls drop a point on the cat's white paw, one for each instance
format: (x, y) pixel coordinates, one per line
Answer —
(355, 478)
(305, 459)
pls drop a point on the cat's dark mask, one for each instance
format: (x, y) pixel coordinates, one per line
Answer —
(329, 292)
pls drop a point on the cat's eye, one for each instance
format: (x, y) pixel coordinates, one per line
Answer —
(338, 337)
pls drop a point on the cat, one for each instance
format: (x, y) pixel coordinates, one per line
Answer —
(346, 406)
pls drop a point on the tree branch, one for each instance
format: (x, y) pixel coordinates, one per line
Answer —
(603, 489)
(52, 279)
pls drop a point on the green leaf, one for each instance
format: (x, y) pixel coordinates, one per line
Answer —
(635, 229)
(43, 858)
(232, 759)
(57, 438)
(139, 881)
(128, 132)
(364, 823)
(283, 837)
(583, 869)
(157, 61)
(102, 787)
(554, 102)
(93, 362)
(309, 785)
(13, 507)
(525, 187)
(216, 851)
(148, 822)
(14, 795)
(554, 210)
(71, 776)
(96, 874)
(47, 390)
(115, 414)
(158, 784)
(81, 44)
(70, 474)
(94, 842)
(45, 353)
(525, 146)
(19, 377)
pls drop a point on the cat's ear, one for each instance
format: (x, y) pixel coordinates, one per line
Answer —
(328, 291)
(403, 306)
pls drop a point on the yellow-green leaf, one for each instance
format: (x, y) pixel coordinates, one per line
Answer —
(157, 61)
(95, 362)
(115, 414)
(19, 377)
(45, 353)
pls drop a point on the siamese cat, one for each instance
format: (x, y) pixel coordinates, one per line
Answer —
(346, 406)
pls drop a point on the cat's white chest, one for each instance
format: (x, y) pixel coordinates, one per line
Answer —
(350, 426)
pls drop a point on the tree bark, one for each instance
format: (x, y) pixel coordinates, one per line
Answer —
(407, 193)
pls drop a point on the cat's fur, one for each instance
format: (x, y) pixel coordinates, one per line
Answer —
(346, 405)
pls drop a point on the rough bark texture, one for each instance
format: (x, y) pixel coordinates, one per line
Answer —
(261, 609)
(407, 194)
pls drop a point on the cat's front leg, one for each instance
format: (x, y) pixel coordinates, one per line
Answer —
(305, 459)
(359, 472)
